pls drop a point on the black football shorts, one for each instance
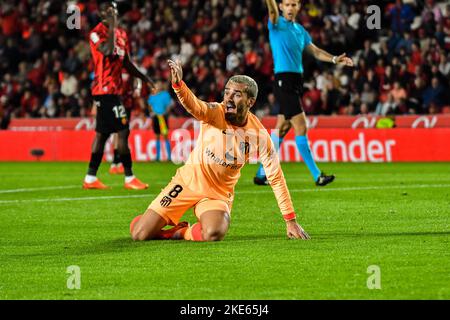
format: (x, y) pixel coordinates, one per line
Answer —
(111, 114)
(157, 126)
(288, 90)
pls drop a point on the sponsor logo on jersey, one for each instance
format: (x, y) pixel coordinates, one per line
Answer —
(165, 202)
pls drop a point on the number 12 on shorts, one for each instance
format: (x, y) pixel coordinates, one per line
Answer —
(119, 111)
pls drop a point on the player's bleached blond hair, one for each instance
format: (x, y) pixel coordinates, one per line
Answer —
(252, 86)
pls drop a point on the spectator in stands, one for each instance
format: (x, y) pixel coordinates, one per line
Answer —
(434, 96)
(368, 54)
(364, 109)
(402, 15)
(398, 93)
(387, 108)
(444, 63)
(29, 105)
(369, 97)
(332, 99)
(415, 98)
(50, 108)
(312, 99)
(4, 113)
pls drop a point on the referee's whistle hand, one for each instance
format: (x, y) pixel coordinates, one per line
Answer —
(344, 60)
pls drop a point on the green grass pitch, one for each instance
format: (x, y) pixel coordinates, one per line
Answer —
(394, 216)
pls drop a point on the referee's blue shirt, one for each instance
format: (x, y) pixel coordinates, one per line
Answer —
(288, 40)
(160, 102)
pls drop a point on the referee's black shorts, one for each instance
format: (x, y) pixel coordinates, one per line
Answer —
(288, 90)
(111, 114)
(156, 125)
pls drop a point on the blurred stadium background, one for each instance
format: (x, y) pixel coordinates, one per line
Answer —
(402, 70)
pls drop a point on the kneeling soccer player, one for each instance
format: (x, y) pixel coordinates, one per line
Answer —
(229, 134)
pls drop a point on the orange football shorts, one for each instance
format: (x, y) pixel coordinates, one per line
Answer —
(176, 198)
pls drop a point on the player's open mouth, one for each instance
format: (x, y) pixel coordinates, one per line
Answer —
(230, 108)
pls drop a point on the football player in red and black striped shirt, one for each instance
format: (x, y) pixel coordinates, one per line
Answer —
(110, 53)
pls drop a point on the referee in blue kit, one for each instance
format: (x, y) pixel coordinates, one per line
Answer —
(288, 40)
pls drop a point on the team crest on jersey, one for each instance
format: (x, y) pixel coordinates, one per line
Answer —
(244, 147)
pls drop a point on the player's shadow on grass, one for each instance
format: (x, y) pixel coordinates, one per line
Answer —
(383, 234)
(254, 237)
(124, 244)
(118, 245)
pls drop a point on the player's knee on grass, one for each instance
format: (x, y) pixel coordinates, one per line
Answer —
(147, 226)
(214, 225)
(214, 233)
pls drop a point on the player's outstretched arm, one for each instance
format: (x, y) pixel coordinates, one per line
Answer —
(135, 72)
(207, 112)
(322, 55)
(273, 11)
(272, 167)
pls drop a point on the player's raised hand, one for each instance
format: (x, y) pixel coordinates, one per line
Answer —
(176, 71)
(295, 231)
(151, 85)
(112, 16)
(344, 60)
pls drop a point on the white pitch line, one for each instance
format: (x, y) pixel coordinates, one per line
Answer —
(78, 186)
(411, 186)
(78, 199)
(40, 189)
(266, 190)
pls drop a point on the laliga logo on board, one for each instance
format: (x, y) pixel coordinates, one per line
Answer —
(85, 124)
(311, 122)
(428, 122)
(366, 122)
(140, 123)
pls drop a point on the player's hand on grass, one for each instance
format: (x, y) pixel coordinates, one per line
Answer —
(344, 60)
(176, 71)
(295, 231)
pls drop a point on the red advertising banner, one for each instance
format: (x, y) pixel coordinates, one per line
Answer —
(327, 145)
(319, 122)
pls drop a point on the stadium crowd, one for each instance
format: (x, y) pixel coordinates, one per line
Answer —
(402, 68)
